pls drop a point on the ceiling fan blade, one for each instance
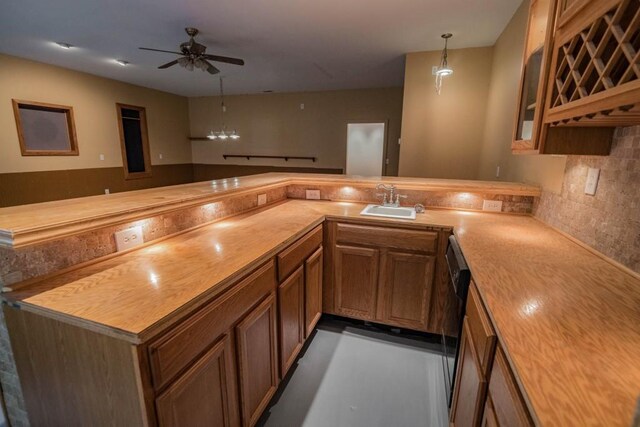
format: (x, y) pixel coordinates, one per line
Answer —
(160, 50)
(226, 59)
(210, 68)
(168, 64)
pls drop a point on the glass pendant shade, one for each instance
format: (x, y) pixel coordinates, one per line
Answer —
(443, 69)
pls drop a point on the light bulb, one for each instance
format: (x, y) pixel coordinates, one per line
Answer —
(64, 45)
(222, 135)
(211, 135)
(234, 135)
(445, 71)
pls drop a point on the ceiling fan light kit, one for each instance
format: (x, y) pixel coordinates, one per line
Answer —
(194, 56)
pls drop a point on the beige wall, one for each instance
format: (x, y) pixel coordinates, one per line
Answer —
(93, 99)
(274, 124)
(546, 171)
(442, 134)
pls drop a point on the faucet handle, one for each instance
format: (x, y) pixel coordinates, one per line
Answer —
(400, 196)
(384, 196)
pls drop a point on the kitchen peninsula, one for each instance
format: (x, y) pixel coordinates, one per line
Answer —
(221, 293)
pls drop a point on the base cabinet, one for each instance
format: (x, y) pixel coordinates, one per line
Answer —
(485, 391)
(257, 360)
(313, 268)
(387, 275)
(471, 385)
(205, 394)
(291, 310)
(356, 281)
(406, 281)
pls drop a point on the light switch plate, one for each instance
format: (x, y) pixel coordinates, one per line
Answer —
(129, 238)
(591, 185)
(312, 194)
(262, 199)
(492, 205)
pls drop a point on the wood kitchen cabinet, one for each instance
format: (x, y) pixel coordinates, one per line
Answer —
(389, 275)
(356, 283)
(406, 283)
(292, 326)
(313, 274)
(594, 77)
(485, 390)
(204, 395)
(257, 360)
(299, 294)
(538, 128)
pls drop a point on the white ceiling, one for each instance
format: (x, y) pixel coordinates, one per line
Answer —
(288, 45)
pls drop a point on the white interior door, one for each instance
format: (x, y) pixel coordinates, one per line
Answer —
(365, 148)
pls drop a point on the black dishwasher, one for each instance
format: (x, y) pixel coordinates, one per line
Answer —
(454, 313)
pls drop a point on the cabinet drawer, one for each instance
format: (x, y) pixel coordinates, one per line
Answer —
(509, 408)
(398, 238)
(483, 336)
(293, 257)
(172, 353)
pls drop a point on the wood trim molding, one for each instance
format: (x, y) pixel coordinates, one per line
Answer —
(71, 128)
(145, 142)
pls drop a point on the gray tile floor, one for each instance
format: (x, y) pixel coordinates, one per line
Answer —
(349, 376)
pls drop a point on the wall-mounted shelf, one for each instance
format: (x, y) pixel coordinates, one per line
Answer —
(249, 156)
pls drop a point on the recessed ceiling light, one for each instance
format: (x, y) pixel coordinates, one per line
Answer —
(64, 45)
(122, 62)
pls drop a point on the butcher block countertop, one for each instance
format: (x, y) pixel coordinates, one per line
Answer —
(36, 223)
(568, 320)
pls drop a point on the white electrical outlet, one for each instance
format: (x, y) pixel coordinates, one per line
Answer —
(262, 199)
(492, 205)
(101, 156)
(129, 238)
(591, 185)
(160, 156)
(312, 194)
(302, 106)
(106, 191)
(497, 171)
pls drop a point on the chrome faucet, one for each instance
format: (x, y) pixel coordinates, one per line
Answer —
(393, 199)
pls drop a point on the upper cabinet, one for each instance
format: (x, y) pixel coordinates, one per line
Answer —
(580, 76)
(595, 71)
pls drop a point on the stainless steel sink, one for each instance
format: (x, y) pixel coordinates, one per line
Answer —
(389, 212)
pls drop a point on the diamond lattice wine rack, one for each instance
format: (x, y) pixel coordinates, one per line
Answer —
(595, 72)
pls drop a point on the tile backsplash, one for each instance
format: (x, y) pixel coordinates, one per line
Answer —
(609, 221)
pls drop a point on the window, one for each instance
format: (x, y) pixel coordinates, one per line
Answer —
(45, 129)
(134, 141)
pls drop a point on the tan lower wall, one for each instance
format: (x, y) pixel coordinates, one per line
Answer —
(32, 187)
(202, 172)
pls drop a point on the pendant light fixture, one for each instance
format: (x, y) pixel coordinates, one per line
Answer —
(223, 134)
(443, 69)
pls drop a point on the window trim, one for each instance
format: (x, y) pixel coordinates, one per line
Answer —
(145, 142)
(71, 128)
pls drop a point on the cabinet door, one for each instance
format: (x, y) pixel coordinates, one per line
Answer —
(205, 394)
(508, 406)
(406, 283)
(356, 284)
(313, 290)
(291, 309)
(470, 384)
(257, 360)
(489, 417)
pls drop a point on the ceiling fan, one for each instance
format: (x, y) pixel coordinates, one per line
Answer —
(194, 56)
